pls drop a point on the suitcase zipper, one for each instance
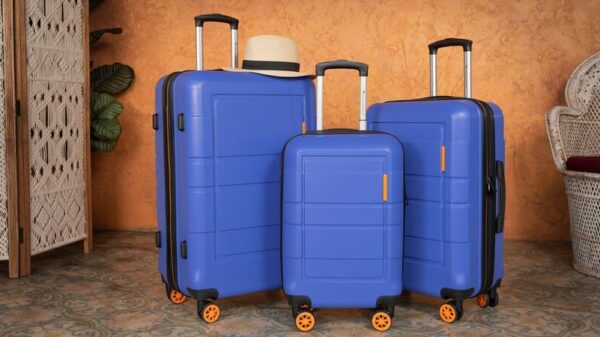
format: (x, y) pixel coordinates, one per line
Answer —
(170, 181)
(489, 197)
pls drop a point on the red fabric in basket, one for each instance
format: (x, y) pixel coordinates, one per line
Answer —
(584, 164)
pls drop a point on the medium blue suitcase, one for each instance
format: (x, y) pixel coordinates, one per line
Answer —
(219, 137)
(455, 191)
(342, 217)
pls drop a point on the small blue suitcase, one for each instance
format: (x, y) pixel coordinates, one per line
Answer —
(342, 217)
(455, 190)
(219, 137)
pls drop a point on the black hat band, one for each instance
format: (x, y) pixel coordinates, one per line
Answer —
(270, 65)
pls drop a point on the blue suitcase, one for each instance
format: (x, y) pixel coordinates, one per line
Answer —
(219, 137)
(455, 191)
(342, 224)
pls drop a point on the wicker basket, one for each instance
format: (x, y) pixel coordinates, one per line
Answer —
(575, 131)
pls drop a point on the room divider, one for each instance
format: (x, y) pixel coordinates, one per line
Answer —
(44, 135)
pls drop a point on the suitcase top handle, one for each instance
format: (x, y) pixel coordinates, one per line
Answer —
(363, 70)
(201, 19)
(233, 24)
(451, 42)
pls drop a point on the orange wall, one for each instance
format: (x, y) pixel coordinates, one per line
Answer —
(523, 54)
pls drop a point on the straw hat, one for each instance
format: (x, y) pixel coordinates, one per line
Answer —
(271, 55)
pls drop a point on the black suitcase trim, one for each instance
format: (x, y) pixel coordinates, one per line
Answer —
(169, 169)
(460, 295)
(489, 197)
(297, 302)
(342, 131)
(388, 303)
(204, 294)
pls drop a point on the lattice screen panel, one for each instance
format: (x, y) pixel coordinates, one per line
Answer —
(3, 178)
(55, 80)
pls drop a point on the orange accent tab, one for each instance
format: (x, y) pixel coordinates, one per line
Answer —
(443, 159)
(385, 187)
(303, 127)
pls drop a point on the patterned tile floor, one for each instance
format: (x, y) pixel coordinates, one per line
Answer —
(117, 291)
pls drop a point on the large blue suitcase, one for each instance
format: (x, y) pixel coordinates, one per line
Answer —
(342, 217)
(454, 152)
(219, 137)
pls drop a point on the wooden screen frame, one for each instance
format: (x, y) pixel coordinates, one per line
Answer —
(87, 156)
(22, 136)
(20, 35)
(11, 139)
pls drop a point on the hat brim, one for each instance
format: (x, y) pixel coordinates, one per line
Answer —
(275, 73)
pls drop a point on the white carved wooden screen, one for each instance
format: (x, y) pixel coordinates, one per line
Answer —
(3, 171)
(54, 47)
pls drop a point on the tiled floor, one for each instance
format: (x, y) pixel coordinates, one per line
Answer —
(117, 291)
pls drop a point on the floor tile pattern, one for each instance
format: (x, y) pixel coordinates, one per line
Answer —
(117, 291)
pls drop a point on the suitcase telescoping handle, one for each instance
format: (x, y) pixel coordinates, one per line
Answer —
(233, 23)
(433, 48)
(363, 71)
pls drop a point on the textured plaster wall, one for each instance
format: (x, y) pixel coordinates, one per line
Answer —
(523, 54)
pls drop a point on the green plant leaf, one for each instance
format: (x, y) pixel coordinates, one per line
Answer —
(105, 106)
(112, 79)
(103, 145)
(97, 34)
(106, 129)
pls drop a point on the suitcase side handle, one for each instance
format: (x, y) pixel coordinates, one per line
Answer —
(502, 195)
(467, 45)
(233, 24)
(363, 71)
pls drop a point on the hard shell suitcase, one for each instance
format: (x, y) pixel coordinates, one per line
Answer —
(342, 217)
(219, 137)
(454, 152)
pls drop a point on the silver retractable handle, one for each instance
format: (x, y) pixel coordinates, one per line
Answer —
(433, 48)
(233, 23)
(363, 70)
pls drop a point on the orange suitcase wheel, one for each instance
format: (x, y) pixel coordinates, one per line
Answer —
(483, 300)
(381, 321)
(176, 297)
(210, 313)
(305, 321)
(450, 312)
